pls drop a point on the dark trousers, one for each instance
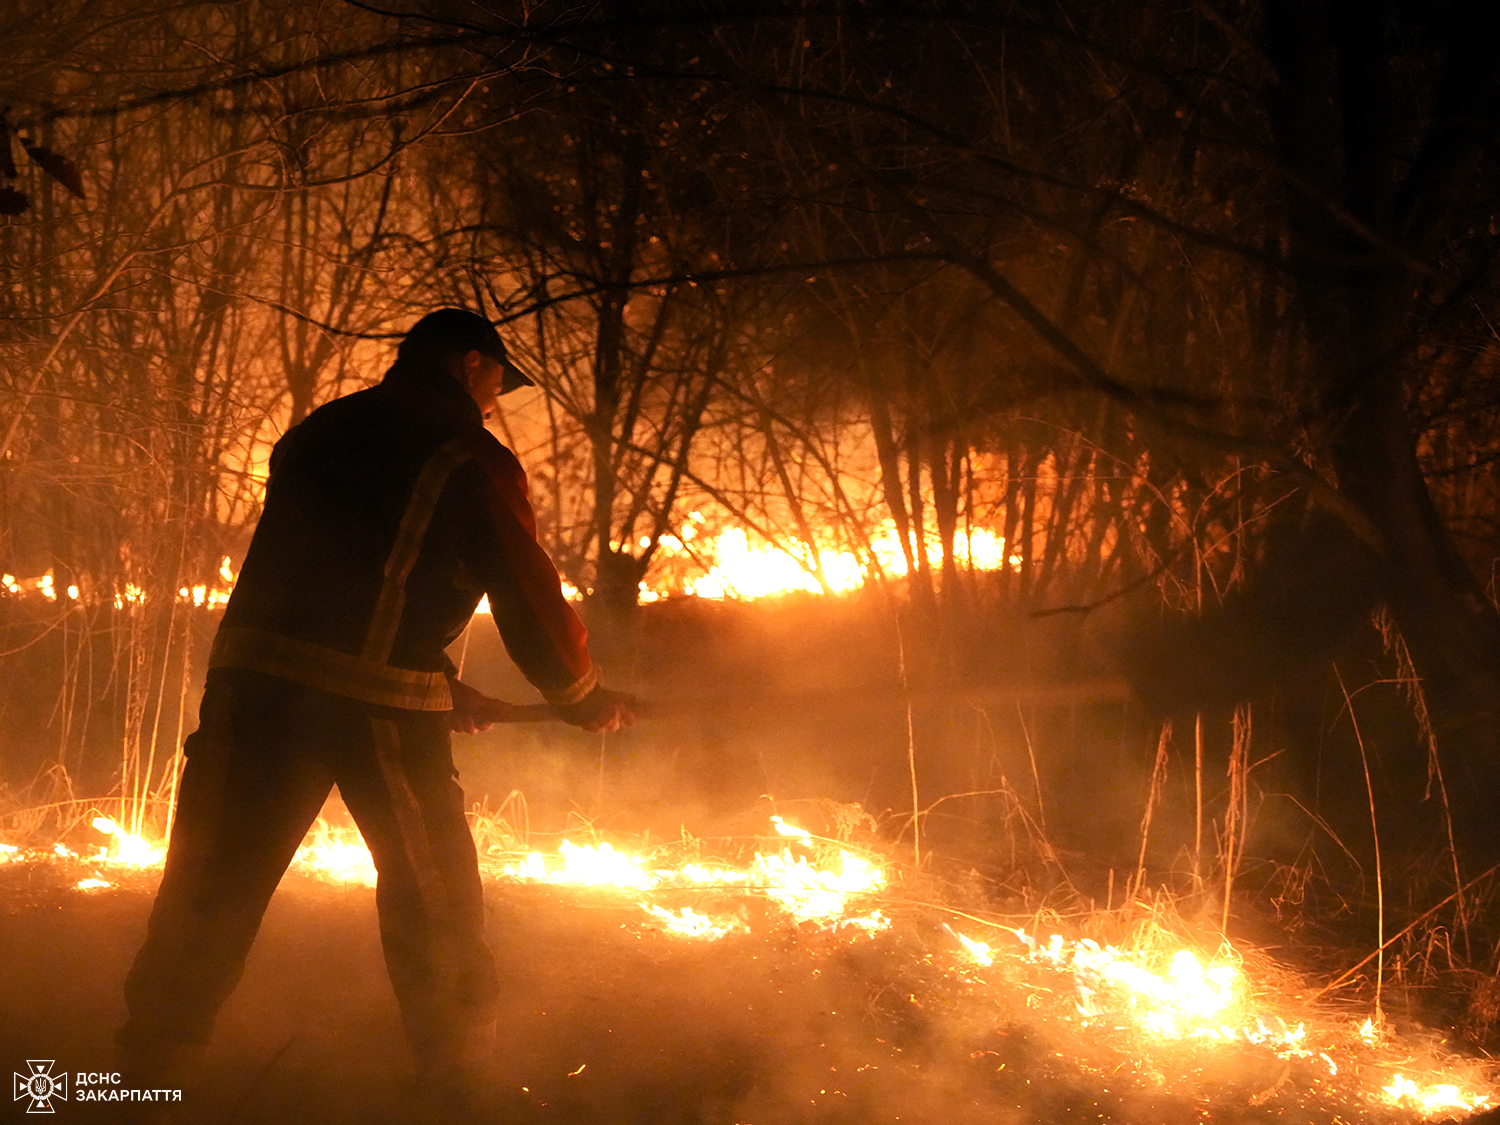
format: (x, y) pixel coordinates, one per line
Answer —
(259, 767)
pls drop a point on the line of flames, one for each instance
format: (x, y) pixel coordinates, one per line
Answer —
(214, 595)
(694, 562)
(1187, 1001)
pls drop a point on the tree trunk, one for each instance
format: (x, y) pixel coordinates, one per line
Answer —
(1335, 132)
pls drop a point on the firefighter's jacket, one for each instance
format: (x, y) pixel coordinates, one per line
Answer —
(388, 514)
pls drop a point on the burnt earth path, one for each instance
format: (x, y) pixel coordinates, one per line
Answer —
(604, 1022)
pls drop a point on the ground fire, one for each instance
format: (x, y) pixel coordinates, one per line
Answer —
(1147, 1012)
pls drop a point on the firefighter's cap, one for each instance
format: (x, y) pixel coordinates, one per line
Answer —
(458, 330)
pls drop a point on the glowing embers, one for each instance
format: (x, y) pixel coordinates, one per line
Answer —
(830, 894)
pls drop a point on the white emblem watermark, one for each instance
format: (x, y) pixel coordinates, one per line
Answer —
(43, 1088)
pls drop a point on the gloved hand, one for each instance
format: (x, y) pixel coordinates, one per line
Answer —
(473, 710)
(600, 710)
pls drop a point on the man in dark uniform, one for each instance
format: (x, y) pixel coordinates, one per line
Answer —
(388, 514)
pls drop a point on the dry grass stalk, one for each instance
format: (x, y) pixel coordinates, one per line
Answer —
(1411, 688)
(1375, 835)
(1236, 818)
(1153, 795)
(1198, 802)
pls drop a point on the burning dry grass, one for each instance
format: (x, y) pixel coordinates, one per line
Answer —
(1121, 1015)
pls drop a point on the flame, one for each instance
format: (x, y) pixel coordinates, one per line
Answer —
(586, 865)
(812, 894)
(715, 565)
(729, 565)
(978, 950)
(687, 922)
(1153, 999)
(871, 923)
(786, 829)
(1186, 1000)
(44, 584)
(211, 595)
(803, 891)
(336, 855)
(1428, 1099)
(128, 849)
(1205, 1003)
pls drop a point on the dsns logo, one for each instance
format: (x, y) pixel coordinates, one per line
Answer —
(40, 1086)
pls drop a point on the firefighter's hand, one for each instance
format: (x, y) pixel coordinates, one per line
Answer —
(474, 711)
(601, 710)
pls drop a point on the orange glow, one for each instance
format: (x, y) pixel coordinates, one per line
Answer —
(1159, 1004)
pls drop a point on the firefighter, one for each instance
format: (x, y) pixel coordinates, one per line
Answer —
(388, 514)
